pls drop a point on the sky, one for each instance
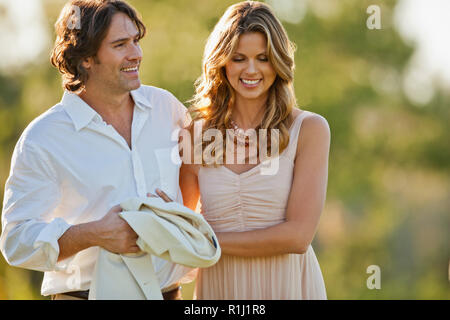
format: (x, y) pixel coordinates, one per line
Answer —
(426, 24)
(23, 33)
(26, 39)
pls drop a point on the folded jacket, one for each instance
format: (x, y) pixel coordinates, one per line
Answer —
(166, 230)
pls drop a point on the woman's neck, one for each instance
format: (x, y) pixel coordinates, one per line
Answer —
(248, 113)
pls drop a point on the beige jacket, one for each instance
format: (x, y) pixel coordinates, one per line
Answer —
(166, 230)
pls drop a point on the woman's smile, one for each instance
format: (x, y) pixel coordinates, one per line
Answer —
(248, 83)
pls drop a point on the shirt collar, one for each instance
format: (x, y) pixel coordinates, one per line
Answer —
(140, 100)
(82, 114)
(79, 111)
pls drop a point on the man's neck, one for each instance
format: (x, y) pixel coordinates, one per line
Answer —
(115, 109)
(107, 104)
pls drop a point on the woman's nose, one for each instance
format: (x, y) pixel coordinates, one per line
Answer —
(251, 68)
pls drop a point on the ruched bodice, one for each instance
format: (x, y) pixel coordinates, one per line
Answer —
(233, 202)
(240, 202)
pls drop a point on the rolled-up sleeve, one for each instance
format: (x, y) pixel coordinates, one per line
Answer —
(30, 231)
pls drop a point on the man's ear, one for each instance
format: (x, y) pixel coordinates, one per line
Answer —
(87, 63)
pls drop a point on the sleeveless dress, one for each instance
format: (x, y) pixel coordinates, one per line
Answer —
(234, 202)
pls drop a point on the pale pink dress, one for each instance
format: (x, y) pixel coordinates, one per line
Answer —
(248, 201)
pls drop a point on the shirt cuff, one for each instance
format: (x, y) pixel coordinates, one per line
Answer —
(47, 241)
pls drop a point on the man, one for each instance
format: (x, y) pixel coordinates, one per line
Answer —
(108, 139)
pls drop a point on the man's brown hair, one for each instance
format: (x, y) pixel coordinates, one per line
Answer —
(80, 29)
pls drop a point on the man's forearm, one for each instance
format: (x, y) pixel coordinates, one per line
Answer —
(77, 238)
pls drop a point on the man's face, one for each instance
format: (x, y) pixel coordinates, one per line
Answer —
(116, 65)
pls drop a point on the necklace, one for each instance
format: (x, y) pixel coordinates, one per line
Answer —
(238, 131)
(241, 137)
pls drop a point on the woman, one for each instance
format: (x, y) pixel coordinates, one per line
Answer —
(264, 222)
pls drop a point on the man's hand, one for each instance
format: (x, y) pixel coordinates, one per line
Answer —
(114, 234)
(111, 232)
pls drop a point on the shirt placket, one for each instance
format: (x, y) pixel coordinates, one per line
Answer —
(138, 171)
(139, 176)
(108, 130)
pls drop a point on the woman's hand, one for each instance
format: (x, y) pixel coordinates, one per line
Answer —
(161, 194)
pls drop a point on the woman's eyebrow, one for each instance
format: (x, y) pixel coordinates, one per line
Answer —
(262, 53)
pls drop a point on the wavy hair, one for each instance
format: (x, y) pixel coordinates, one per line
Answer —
(80, 29)
(214, 97)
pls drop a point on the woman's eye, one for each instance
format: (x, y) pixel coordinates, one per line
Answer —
(264, 59)
(238, 59)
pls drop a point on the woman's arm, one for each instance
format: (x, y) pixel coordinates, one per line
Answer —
(305, 202)
(189, 185)
(188, 175)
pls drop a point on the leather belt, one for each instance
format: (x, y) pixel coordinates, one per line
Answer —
(174, 294)
(78, 294)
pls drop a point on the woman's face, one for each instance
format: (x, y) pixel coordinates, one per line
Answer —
(249, 70)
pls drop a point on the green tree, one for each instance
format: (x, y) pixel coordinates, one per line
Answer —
(387, 201)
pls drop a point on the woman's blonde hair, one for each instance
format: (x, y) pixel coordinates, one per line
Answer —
(214, 98)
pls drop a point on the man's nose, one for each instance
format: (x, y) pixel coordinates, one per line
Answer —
(135, 52)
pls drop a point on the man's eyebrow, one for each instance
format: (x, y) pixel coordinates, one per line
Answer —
(124, 39)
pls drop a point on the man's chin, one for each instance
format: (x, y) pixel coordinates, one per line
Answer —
(134, 85)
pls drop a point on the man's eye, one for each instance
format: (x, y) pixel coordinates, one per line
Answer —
(119, 45)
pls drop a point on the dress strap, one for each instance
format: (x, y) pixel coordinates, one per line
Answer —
(294, 132)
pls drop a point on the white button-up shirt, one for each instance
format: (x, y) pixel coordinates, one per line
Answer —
(70, 167)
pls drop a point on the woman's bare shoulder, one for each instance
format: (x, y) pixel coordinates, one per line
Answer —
(314, 129)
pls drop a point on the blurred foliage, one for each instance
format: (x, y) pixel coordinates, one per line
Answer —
(388, 198)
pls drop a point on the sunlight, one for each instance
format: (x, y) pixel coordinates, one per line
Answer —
(425, 24)
(23, 30)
